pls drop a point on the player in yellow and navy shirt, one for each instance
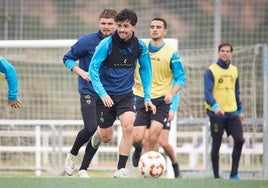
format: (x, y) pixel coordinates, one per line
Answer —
(224, 108)
(167, 68)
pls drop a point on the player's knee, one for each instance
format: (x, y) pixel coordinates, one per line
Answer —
(106, 138)
(137, 139)
(128, 130)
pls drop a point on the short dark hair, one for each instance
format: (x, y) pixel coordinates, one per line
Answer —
(225, 44)
(108, 13)
(162, 20)
(127, 14)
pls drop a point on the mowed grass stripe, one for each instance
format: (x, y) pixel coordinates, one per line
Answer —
(56, 182)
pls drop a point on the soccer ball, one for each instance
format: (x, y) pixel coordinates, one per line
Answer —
(152, 164)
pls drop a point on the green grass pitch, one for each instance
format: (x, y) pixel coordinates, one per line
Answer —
(74, 182)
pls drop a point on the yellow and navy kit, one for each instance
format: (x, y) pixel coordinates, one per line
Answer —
(224, 87)
(166, 68)
(221, 89)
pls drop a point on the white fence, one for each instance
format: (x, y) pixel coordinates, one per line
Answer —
(48, 143)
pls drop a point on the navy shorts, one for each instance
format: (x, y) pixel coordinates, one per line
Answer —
(232, 126)
(167, 125)
(144, 118)
(107, 115)
(88, 110)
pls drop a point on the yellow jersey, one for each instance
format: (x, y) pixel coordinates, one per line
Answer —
(224, 87)
(162, 75)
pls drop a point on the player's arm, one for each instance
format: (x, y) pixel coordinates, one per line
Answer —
(12, 81)
(179, 77)
(96, 62)
(178, 72)
(208, 88)
(77, 51)
(145, 71)
(238, 101)
(174, 106)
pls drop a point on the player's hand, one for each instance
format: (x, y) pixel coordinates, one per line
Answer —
(77, 70)
(171, 115)
(150, 106)
(107, 101)
(242, 117)
(219, 112)
(136, 83)
(85, 76)
(15, 104)
(168, 98)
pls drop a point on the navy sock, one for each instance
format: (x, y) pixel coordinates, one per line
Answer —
(122, 161)
(89, 154)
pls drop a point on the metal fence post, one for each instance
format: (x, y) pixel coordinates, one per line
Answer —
(265, 112)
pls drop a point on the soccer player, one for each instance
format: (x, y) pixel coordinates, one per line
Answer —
(12, 80)
(224, 108)
(83, 51)
(167, 69)
(112, 75)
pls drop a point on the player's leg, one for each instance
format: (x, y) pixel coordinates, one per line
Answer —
(142, 119)
(138, 136)
(154, 133)
(126, 115)
(90, 121)
(127, 121)
(164, 143)
(105, 119)
(158, 120)
(145, 141)
(216, 128)
(103, 133)
(83, 136)
(235, 129)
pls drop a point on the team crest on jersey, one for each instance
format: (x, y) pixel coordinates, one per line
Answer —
(155, 59)
(220, 80)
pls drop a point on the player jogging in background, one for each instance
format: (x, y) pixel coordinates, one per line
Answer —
(8, 71)
(168, 79)
(83, 51)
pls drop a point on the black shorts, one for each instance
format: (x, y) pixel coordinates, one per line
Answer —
(232, 126)
(144, 118)
(167, 125)
(107, 115)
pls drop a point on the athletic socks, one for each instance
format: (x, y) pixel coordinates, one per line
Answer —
(122, 161)
(176, 170)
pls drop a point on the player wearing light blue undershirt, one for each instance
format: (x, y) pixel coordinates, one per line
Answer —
(10, 74)
(112, 75)
(167, 68)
